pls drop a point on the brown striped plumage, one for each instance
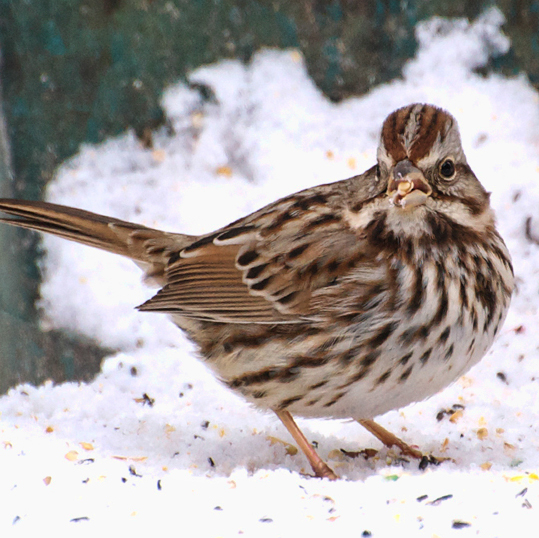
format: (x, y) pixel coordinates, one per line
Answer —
(343, 300)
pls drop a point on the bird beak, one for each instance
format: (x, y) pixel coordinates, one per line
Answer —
(408, 186)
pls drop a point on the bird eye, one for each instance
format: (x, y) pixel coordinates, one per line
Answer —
(447, 169)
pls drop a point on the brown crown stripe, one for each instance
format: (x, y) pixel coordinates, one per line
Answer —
(392, 130)
(431, 123)
(431, 126)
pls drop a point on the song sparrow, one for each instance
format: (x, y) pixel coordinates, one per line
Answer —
(343, 300)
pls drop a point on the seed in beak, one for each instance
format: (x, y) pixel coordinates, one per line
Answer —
(404, 187)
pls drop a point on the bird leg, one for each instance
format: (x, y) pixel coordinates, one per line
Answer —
(389, 439)
(320, 468)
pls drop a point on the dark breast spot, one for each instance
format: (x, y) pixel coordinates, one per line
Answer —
(348, 356)
(425, 357)
(406, 374)
(289, 374)
(414, 334)
(417, 295)
(335, 399)
(382, 335)
(445, 335)
(254, 378)
(370, 358)
(289, 401)
(407, 335)
(319, 384)
(404, 360)
(486, 295)
(463, 292)
(356, 377)
(384, 377)
(473, 316)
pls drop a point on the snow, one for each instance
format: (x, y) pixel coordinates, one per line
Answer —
(155, 443)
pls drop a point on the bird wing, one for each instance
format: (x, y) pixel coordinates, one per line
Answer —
(278, 265)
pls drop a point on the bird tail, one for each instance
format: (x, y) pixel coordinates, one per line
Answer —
(134, 241)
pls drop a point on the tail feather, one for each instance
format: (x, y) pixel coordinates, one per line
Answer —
(140, 243)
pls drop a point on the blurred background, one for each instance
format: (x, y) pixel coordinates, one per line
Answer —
(76, 71)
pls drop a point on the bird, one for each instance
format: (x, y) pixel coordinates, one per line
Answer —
(344, 300)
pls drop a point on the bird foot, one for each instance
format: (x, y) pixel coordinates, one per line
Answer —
(320, 467)
(390, 440)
